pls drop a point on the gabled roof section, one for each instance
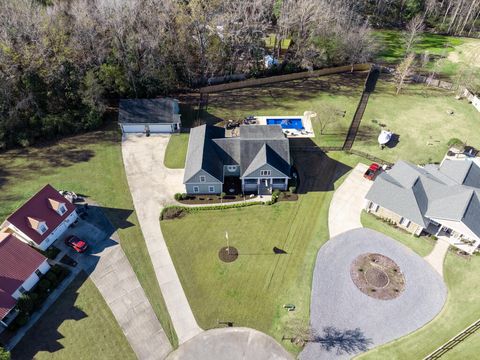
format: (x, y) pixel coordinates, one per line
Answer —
(201, 154)
(210, 150)
(38, 209)
(17, 262)
(432, 192)
(55, 204)
(144, 111)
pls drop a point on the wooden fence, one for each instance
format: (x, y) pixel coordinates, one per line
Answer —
(282, 78)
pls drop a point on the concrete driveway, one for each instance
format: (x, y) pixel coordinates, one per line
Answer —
(234, 343)
(114, 277)
(153, 186)
(348, 202)
(349, 321)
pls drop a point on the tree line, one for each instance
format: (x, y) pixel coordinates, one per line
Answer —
(61, 61)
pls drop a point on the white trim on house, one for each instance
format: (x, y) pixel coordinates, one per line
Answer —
(196, 189)
(211, 189)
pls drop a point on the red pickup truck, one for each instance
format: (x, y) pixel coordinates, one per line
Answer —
(372, 171)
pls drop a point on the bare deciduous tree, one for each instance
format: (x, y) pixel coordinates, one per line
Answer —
(413, 32)
(404, 69)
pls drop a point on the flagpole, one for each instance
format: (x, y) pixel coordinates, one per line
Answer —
(228, 245)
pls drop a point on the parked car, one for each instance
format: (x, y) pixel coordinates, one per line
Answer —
(372, 171)
(76, 243)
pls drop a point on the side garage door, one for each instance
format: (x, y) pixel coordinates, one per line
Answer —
(160, 128)
(131, 128)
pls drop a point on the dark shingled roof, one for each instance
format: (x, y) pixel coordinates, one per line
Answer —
(257, 145)
(450, 192)
(17, 262)
(148, 111)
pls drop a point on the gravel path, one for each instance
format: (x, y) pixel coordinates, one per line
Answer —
(348, 321)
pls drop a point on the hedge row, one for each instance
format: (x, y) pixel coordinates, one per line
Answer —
(187, 209)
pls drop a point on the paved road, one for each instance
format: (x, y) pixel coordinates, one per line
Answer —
(152, 186)
(336, 301)
(348, 202)
(231, 344)
(114, 277)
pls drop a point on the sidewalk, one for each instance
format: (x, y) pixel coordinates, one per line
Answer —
(437, 256)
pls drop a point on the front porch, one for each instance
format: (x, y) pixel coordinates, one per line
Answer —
(264, 186)
(452, 237)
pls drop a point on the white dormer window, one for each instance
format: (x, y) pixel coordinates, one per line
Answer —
(62, 209)
(265, 173)
(203, 178)
(42, 227)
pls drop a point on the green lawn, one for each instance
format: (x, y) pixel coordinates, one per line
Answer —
(79, 325)
(89, 164)
(342, 92)
(419, 117)
(461, 309)
(176, 151)
(251, 291)
(422, 246)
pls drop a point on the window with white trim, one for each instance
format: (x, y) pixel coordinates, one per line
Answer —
(22, 290)
(196, 189)
(62, 209)
(232, 168)
(42, 228)
(211, 189)
(404, 221)
(265, 173)
(203, 178)
(38, 273)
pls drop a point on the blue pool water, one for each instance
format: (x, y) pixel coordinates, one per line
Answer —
(287, 123)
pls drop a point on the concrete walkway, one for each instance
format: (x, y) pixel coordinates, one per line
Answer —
(235, 343)
(348, 202)
(437, 256)
(153, 186)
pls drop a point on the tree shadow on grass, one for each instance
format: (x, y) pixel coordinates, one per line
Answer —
(44, 335)
(342, 341)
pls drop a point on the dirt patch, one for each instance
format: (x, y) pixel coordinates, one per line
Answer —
(377, 276)
(228, 254)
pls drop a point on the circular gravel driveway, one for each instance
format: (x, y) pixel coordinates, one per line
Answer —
(346, 320)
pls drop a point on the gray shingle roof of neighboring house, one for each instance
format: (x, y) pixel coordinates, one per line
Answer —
(148, 111)
(450, 192)
(257, 145)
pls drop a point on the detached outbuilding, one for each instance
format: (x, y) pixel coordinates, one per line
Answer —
(149, 115)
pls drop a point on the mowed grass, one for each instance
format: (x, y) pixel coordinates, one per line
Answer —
(89, 164)
(79, 325)
(420, 119)
(176, 151)
(422, 246)
(252, 290)
(461, 310)
(341, 92)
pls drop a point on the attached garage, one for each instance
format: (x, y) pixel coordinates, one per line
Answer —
(149, 115)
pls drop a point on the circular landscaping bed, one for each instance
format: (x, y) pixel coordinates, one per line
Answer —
(377, 276)
(228, 254)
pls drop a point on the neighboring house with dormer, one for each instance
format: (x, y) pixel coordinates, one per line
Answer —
(258, 159)
(441, 200)
(42, 219)
(20, 269)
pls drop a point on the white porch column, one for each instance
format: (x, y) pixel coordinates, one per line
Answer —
(258, 186)
(243, 185)
(286, 183)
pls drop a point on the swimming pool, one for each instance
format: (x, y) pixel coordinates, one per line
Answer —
(287, 123)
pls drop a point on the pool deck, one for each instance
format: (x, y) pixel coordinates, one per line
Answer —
(293, 133)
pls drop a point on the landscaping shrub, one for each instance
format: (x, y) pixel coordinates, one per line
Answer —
(50, 276)
(60, 271)
(178, 196)
(454, 142)
(222, 195)
(172, 212)
(184, 196)
(21, 319)
(25, 303)
(4, 354)
(292, 189)
(44, 284)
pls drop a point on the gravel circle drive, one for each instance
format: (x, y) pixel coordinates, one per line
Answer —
(345, 320)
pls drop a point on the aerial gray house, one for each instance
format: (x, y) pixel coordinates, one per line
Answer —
(441, 200)
(256, 161)
(149, 115)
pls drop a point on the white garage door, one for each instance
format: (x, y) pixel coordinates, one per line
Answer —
(133, 128)
(161, 128)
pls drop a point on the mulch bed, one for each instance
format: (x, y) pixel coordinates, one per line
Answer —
(213, 199)
(377, 276)
(229, 254)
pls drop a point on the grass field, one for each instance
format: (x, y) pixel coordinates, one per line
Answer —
(78, 326)
(461, 309)
(176, 151)
(422, 246)
(419, 117)
(341, 92)
(446, 53)
(89, 164)
(251, 291)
